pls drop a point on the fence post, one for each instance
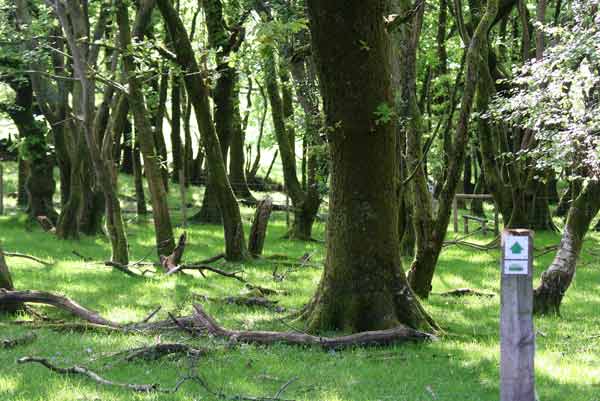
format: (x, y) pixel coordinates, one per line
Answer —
(517, 336)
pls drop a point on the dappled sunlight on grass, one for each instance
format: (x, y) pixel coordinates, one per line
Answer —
(463, 365)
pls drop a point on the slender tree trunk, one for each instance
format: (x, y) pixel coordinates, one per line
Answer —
(165, 241)
(23, 167)
(176, 146)
(138, 177)
(363, 286)
(235, 245)
(557, 278)
(431, 233)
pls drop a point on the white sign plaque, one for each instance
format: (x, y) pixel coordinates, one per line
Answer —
(516, 247)
(516, 267)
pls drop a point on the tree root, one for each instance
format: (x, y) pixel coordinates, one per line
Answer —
(381, 337)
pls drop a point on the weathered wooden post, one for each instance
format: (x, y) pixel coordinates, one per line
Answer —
(517, 337)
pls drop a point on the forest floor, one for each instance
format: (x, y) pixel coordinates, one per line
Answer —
(463, 365)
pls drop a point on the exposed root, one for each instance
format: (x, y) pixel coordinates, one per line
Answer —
(380, 337)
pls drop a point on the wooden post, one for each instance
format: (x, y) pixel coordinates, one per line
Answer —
(517, 336)
(1, 189)
(455, 212)
(183, 197)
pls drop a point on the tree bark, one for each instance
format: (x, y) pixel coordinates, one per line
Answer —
(557, 278)
(363, 286)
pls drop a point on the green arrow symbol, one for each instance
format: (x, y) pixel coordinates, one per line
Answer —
(516, 248)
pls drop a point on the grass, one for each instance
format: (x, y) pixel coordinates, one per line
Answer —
(464, 365)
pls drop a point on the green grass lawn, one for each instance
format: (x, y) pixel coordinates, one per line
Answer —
(463, 365)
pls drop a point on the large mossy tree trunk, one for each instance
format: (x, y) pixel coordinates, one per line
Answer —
(363, 286)
(431, 229)
(6, 283)
(197, 90)
(557, 278)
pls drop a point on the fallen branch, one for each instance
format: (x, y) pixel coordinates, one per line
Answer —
(25, 256)
(123, 268)
(8, 343)
(83, 371)
(381, 337)
(41, 297)
(461, 292)
(157, 351)
(202, 267)
(81, 256)
(250, 301)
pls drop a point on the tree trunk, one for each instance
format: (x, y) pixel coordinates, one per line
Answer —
(430, 232)
(165, 241)
(176, 146)
(6, 283)
(557, 278)
(363, 286)
(40, 184)
(235, 245)
(138, 177)
(23, 167)
(127, 159)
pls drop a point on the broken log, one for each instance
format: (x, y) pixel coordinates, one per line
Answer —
(381, 337)
(46, 224)
(258, 232)
(173, 260)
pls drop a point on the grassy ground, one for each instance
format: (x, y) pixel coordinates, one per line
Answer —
(462, 366)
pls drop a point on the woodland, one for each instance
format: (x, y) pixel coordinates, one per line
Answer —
(270, 200)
